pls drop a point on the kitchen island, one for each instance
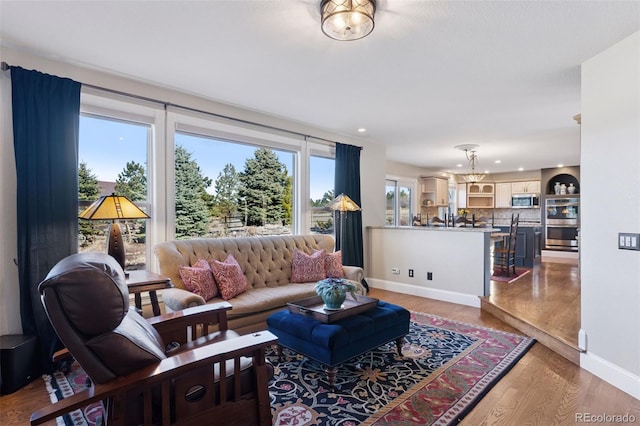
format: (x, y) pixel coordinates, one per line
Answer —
(444, 263)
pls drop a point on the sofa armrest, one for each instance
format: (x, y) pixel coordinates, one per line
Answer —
(178, 299)
(353, 273)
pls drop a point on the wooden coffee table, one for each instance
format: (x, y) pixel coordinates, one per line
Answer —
(141, 281)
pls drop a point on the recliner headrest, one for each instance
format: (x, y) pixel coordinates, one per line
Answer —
(86, 283)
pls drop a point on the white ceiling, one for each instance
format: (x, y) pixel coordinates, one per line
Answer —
(433, 74)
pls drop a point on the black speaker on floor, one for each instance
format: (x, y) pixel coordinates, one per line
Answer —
(18, 363)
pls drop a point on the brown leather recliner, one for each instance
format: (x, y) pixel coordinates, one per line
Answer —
(162, 371)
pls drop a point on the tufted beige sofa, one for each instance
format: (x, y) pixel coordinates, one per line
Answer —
(265, 261)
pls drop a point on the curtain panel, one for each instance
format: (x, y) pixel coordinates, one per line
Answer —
(46, 116)
(347, 181)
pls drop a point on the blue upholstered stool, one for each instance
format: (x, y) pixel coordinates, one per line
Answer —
(332, 344)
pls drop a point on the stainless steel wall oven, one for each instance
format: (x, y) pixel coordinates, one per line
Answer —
(562, 223)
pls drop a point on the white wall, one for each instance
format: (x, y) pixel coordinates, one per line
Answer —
(9, 290)
(372, 158)
(610, 187)
(458, 259)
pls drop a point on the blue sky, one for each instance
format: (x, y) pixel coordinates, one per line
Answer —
(107, 145)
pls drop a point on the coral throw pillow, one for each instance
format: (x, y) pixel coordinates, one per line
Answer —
(306, 268)
(333, 265)
(228, 274)
(199, 279)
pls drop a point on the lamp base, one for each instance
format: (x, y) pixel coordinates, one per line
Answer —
(115, 246)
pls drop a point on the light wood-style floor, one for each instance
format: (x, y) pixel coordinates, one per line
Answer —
(543, 388)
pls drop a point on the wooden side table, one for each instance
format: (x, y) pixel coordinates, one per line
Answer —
(141, 281)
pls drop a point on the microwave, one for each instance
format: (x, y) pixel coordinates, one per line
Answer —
(525, 201)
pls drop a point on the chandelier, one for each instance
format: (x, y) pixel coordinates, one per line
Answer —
(472, 157)
(347, 20)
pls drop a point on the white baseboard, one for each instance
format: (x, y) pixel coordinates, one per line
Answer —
(560, 254)
(430, 293)
(611, 373)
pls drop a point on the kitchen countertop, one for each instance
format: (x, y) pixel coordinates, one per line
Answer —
(521, 224)
(437, 228)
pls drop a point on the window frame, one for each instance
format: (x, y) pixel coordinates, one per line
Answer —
(121, 108)
(399, 181)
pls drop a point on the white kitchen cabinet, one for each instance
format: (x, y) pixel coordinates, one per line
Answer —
(435, 191)
(480, 195)
(503, 195)
(525, 187)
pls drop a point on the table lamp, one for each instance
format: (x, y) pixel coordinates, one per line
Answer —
(114, 207)
(343, 204)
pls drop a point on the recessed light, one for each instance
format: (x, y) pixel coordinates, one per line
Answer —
(520, 169)
(560, 165)
(362, 130)
(498, 161)
(486, 172)
(458, 165)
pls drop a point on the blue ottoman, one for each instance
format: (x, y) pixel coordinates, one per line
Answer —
(332, 344)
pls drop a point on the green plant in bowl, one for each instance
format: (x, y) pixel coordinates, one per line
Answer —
(333, 291)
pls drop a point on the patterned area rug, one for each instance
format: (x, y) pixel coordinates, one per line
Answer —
(446, 367)
(64, 384)
(506, 278)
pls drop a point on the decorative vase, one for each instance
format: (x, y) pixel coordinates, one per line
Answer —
(334, 298)
(563, 189)
(556, 188)
(333, 292)
(571, 189)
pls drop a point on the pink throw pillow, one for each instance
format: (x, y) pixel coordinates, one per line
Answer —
(306, 268)
(228, 274)
(199, 279)
(333, 265)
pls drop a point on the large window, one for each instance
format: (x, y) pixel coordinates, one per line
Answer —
(224, 188)
(113, 159)
(321, 184)
(398, 202)
(196, 175)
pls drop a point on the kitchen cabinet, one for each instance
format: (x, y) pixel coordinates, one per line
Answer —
(435, 191)
(503, 195)
(525, 187)
(480, 195)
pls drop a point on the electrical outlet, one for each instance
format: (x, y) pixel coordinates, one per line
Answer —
(410, 273)
(429, 276)
(395, 271)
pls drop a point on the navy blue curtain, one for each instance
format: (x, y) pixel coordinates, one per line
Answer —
(46, 117)
(347, 181)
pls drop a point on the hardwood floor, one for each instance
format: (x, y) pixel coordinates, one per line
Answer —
(543, 388)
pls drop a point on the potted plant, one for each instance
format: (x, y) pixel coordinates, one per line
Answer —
(333, 291)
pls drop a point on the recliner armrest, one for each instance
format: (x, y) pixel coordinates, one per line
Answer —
(173, 326)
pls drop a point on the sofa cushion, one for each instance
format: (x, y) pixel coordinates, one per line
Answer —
(199, 279)
(333, 265)
(269, 298)
(306, 268)
(228, 274)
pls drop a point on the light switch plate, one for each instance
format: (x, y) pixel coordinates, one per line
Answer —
(628, 241)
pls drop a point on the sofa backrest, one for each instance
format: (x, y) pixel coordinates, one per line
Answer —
(265, 261)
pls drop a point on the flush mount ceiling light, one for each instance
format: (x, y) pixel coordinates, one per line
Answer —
(472, 157)
(347, 19)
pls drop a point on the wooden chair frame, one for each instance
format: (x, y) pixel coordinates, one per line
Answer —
(505, 256)
(159, 386)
